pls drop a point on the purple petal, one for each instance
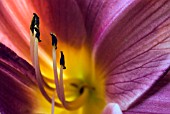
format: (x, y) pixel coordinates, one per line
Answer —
(156, 101)
(17, 78)
(99, 14)
(135, 52)
(64, 18)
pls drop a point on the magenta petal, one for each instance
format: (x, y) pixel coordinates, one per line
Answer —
(16, 79)
(135, 52)
(99, 14)
(156, 101)
(64, 18)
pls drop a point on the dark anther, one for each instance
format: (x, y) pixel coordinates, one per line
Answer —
(32, 26)
(81, 90)
(37, 35)
(54, 40)
(62, 61)
(35, 21)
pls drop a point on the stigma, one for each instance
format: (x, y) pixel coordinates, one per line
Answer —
(58, 98)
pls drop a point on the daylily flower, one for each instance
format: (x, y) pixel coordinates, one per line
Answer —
(114, 50)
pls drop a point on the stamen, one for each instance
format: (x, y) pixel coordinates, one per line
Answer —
(53, 104)
(55, 71)
(32, 47)
(62, 86)
(62, 61)
(77, 103)
(54, 40)
(34, 28)
(37, 34)
(34, 24)
(39, 75)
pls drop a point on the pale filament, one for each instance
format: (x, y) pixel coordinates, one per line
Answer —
(39, 75)
(70, 105)
(53, 104)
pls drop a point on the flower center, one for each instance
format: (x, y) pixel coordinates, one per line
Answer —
(58, 95)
